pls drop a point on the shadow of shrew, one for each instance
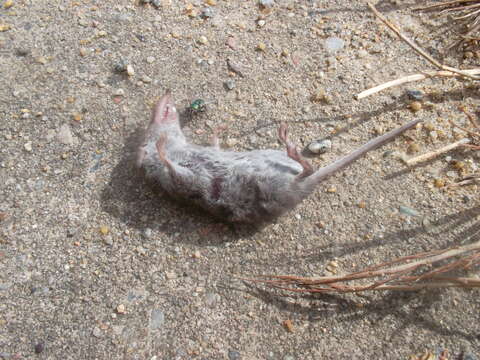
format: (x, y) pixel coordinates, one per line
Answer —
(140, 204)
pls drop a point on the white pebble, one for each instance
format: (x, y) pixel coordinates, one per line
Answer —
(320, 146)
(119, 92)
(130, 70)
(146, 79)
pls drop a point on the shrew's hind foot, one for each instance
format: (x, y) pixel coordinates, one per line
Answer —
(293, 153)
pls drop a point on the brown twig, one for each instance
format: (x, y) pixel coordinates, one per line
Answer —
(470, 117)
(471, 133)
(399, 277)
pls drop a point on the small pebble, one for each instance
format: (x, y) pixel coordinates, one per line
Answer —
(108, 240)
(147, 233)
(121, 66)
(266, 3)
(261, 23)
(230, 84)
(39, 348)
(28, 146)
(83, 52)
(429, 126)
(321, 96)
(408, 211)
(234, 355)
(458, 165)
(202, 40)
(232, 43)
(320, 146)
(439, 183)
(288, 325)
(157, 319)
(119, 92)
(150, 59)
(211, 299)
(211, 2)
(207, 13)
(415, 95)
(427, 226)
(157, 3)
(146, 79)
(5, 27)
(77, 117)
(96, 332)
(22, 51)
(362, 53)
(104, 230)
(261, 46)
(416, 106)
(130, 70)
(334, 44)
(8, 4)
(413, 148)
(121, 309)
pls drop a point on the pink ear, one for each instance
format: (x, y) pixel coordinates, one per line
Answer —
(165, 110)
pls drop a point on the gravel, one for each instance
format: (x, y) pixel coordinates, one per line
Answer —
(69, 130)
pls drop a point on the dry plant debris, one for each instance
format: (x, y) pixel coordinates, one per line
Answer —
(444, 70)
(466, 17)
(415, 272)
(472, 141)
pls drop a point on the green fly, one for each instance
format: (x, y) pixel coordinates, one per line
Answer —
(198, 105)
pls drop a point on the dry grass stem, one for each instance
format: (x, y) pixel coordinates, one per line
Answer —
(411, 78)
(468, 18)
(419, 50)
(445, 71)
(404, 275)
(467, 180)
(433, 154)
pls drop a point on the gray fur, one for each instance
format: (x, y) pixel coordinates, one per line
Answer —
(253, 187)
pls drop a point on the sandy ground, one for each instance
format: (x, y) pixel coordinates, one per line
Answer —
(94, 265)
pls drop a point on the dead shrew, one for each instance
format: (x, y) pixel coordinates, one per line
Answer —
(251, 187)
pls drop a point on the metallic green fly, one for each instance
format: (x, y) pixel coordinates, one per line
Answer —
(198, 105)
